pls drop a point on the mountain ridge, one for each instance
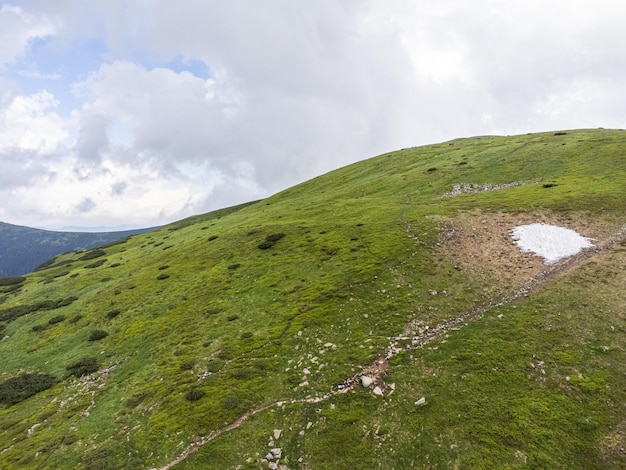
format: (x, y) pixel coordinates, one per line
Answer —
(22, 249)
(361, 319)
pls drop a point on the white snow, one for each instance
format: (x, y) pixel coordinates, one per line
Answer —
(551, 242)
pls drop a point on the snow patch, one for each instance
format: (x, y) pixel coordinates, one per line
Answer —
(551, 242)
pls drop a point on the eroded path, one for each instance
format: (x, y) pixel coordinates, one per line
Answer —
(414, 336)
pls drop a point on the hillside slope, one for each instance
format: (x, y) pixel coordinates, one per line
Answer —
(239, 339)
(22, 249)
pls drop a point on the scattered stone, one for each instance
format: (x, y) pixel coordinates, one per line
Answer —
(421, 401)
(366, 381)
(378, 391)
(277, 452)
(306, 371)
(277, 433)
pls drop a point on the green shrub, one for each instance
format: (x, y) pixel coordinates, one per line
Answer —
(165, 266)
(10, 281)
(160, 277)
(230, 402)
(39, 328)
(135, 400)
(46, 264)
(13, 288)
(234, 266)
(195, 394)
(92, 254)
(274, 237)
(85, 366)
(187, 365)
(57, 319)
(11, 313)
(271, 240)
(75, 318)
(113, 313)
(232, 317)
(246, 335)
(212, 237)
(96, 264)
(97, 335)
(19, 388)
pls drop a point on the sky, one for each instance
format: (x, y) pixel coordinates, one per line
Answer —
(136, 113)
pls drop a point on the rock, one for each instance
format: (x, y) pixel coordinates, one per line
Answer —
(306, 371)
(378, 391)
(366, 381)
(269, 456)
(277, 452)
(421, 401)
(277, 433)
(273, 466)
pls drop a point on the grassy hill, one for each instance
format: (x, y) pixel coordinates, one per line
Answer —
(239, 338)
(23, 249)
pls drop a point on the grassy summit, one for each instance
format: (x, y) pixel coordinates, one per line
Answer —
(148, 353)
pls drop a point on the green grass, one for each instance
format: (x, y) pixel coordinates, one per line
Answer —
(208, 326)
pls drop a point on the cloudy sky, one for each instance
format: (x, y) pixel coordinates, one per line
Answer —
(141, 112)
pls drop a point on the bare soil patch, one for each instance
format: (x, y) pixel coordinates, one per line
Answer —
(481, 244)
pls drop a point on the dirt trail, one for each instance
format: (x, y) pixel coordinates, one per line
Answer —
(418, 336)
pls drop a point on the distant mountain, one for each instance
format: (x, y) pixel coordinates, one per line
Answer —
(23, 249)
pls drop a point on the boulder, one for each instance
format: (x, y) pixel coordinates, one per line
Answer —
(366, 381)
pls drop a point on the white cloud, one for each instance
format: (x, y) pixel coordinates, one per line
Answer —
(294, 89)
(18, 29)
(28, 123)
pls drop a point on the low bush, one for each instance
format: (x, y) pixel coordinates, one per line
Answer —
(232, 317)
(160, 277)
(75, 319)
(57, 319)
(187, 365)
(11, 313)
(84, 366)
(165, 266)
(97, 335)
(234, 266)
(230, 402)
(17, 389)
(212, 237)
(39, 327)
(113, 313)
(13, 288)
(274, 237)
(96, 264)
(92, 255)
(10, 281)
(46, 264)
(195, 394)
(270, 241)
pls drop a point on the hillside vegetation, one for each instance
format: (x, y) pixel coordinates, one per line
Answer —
(239, 338)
